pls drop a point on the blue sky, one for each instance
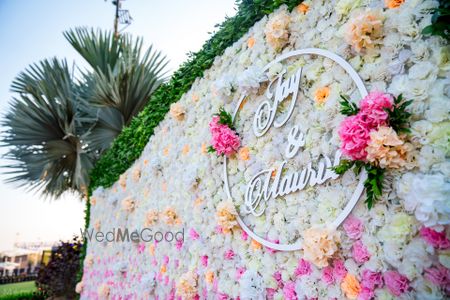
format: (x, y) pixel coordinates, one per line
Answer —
(32, 30)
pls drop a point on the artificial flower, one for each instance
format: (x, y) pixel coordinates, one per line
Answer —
(319, 245)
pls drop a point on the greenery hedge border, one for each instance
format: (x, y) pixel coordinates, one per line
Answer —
(128, 146)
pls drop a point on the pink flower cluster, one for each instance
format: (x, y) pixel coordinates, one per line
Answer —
(435, 238)
(439, 276)
(224, 140)
(334, 274)
(354, 130)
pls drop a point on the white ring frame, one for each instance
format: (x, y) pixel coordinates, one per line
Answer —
(363, 176)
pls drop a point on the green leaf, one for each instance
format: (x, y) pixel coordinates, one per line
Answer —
(373, 184)
(344, 166)
(348, 108)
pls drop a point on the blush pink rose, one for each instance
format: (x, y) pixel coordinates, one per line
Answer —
(229, 254)
(244, 235)
(360, 252)
(204, 260)
(371, 279)
(396, 283)
(353, 227)
(303, 268)
(239, 272)
(373, 108)
(366, 293)
(339, 270)
(193, 234)
(327, 275)
(354, 135)
(434, 238)
(289, 291)
(439, 276)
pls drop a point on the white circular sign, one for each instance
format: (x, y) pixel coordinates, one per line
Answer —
(265, 118)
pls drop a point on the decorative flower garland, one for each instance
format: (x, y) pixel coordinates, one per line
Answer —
(374, 137)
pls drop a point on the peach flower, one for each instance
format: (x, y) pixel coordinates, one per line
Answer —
(244, 153)
(350, 286)
(365, 31)
(204, 148)
(251, 42)
(170, 216)
(303, 8)
(79, 287)
(187, 285)
(209, 277)
(136, 175)
(89, 260)
(103, 291)
(128, 204)
(151, 217)
(393, 3)
(123, 181)
(319, 245)
(226, 216)
(277, 31)
(97, 225)
(185, 149)
(177, 111)
(386, 150)
(93, 201)
(321, 95)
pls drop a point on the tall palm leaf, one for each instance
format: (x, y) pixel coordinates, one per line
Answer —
(121, 81)
(44, 133)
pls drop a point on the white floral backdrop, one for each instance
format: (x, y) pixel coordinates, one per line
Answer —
(398, 249)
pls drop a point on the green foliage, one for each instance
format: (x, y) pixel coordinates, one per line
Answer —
(344, 166)
(399, 117)
(225, 118)
(373, 184)
(25, 296)
(440, 21)
(348, 108)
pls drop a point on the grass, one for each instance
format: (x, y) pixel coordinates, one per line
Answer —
(11, 289)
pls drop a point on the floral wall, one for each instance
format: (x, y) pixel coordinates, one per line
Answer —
(397, 247)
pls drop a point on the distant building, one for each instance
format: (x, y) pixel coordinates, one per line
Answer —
(19, 261)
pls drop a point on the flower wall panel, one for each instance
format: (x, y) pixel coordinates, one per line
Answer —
(398, 248)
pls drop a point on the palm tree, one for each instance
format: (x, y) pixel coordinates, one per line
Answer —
(58, 125)
(120, 82)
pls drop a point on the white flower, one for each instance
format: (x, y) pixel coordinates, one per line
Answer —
(427, 196)
(250, 79)
(225, 85)
(252, 286)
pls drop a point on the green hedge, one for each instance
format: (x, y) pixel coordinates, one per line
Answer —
(129, 145)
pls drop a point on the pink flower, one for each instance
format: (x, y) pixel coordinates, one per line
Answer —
(204, 260)
(396, 283)
(371, 279)
(339, 270)
(439, 276)
(353, 227)
(193, 234)
(222, 296)
(303, 268)
(141, 248)
(289, 291)
(179, 244)
(244, 235)
(229, 254)
(360, 252)
(373, 108)
(279, 279)
(366, 294)
(270, 293)
(327, 275)
(354, 135)
(239, 272)
(434, 238)
(165, 260)
(224, 140)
